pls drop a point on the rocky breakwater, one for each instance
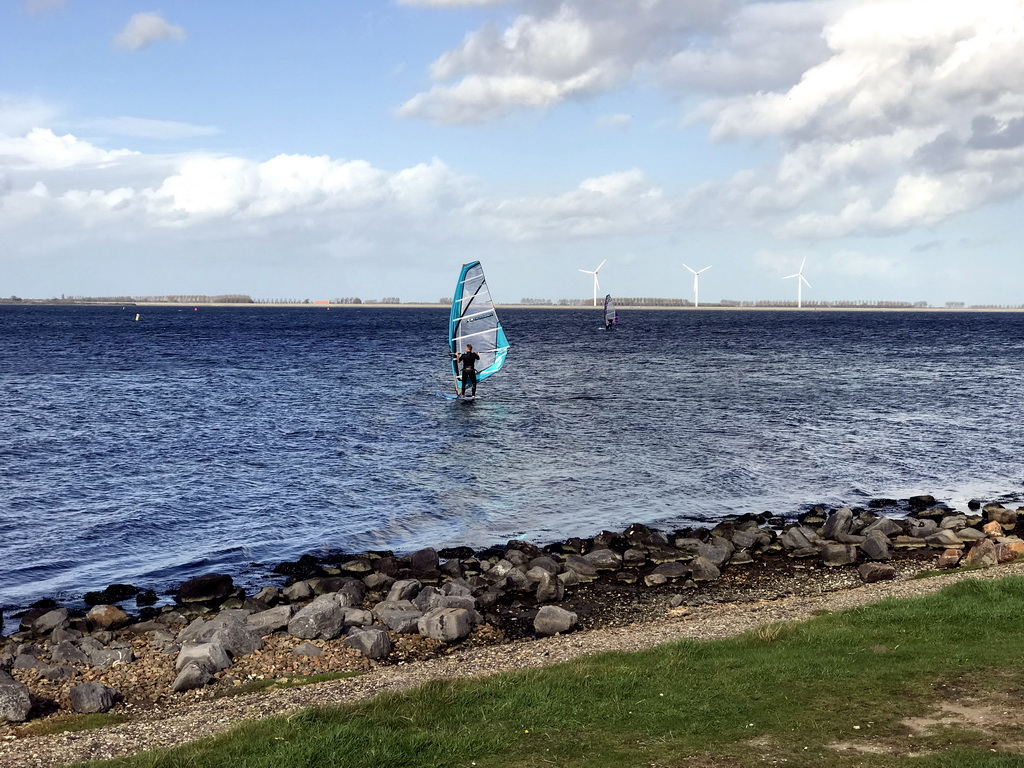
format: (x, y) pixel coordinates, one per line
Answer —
(351, 612)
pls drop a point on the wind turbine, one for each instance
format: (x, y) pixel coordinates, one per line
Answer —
(696, 275)
(799, 283)
(594, 272)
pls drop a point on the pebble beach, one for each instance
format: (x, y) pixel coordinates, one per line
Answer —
(377, 621)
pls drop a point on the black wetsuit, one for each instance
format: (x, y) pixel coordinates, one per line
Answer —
(468, 362)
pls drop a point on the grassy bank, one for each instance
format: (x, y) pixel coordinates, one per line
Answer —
(839, 690)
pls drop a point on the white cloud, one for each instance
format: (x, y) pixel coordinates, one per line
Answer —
(618, 120)
(146, 28)
(37, 7)
(149, 129)
(888, 114)
(19, 115)
(63, 183)
(614, 204)
(577, 48)
(41, 148)
(914, 116)
(453, 3)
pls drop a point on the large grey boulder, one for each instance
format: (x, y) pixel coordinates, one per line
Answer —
(50, 621)
(884, 525)
(210, 656)
(15, 701)
(209, 588)
(550, 589)
(702, 569)
(446, 624)
(91, 698)
(552, 620)
(876, 546)
(838, 523)
(62, 634)
(983, 553)
(501, 569)
(372, 642)
(406, 589)
(457, 588)
(833, 555)
(403, 621)
(68, 653)
(457, 601)
(106, 617)
(322, 619)
(582, 567)
(424, 561)
(357, 617)
(549, 564)
(799, 538)
(27, 660)
(921, 528)
(672, 571)
(744, 539)
(944, 539)
(297, 592)
(269, 621)
(56, 672)
(427, 598)
(191, 676)
(603, 559)
(231, 633)
(970, 534)
(516, 579)
(718, 550)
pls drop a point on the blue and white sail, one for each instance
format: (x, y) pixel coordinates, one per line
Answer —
(611, 316)
(474, 321)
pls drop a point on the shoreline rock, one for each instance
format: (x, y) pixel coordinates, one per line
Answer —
(343, 612)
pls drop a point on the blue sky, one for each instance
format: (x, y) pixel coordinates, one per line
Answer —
(370, 147)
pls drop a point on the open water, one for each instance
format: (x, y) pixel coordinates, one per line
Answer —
(230, 439)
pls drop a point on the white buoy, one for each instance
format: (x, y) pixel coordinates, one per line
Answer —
(136, 318)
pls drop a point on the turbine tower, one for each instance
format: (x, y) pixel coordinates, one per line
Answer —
(799, 283)
(696, 275)
(594, 272)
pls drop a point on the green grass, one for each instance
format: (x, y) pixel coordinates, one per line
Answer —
(278, 683)
(782, 693)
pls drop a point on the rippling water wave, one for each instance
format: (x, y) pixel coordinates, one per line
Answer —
(223, 439)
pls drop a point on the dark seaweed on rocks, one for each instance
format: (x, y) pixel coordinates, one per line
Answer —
(305, 567)
(115, 593)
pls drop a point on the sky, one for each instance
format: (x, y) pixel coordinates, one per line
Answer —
(371, 147)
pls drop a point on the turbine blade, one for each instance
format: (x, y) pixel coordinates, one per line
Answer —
(802, 265)
(805, 281)
(689, 269)
(703, 270)
(789, 276)
(599, 266)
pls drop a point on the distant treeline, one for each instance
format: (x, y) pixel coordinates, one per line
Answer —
(228, 298)
(620, 301)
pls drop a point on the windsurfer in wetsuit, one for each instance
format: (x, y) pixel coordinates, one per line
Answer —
(468, 361)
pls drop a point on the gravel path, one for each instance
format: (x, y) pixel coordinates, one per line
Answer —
(173, 724)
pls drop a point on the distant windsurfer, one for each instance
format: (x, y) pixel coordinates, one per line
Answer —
(468, 360)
